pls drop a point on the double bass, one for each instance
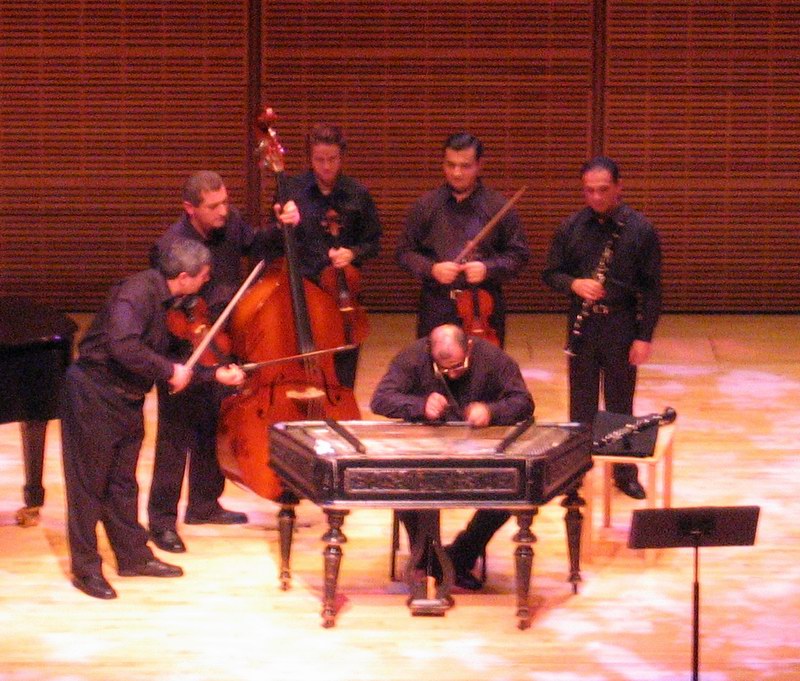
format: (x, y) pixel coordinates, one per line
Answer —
(281, 316)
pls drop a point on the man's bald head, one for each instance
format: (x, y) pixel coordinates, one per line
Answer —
(448, 345)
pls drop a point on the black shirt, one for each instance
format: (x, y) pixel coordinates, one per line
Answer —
(493, 377)
(128, 338)
(358, 217)
(633, 280)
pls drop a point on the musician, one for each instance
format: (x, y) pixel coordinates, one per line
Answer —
(102, 426)
(187, 421)
(439, 225)
(339, 225)
(448, 377)
(615, 335)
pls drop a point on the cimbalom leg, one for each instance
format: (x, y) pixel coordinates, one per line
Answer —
(524, 565)
(286, 518)
(333, 538)
(573, 519)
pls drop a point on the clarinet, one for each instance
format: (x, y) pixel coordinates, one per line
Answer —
(599, 275)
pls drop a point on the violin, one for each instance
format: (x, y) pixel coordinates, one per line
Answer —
(343, 284)
(189, 321)
(473, 304)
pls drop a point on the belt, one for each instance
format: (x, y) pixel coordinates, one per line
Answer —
(602, 308)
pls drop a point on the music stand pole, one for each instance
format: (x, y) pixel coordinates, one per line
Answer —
(696, 614)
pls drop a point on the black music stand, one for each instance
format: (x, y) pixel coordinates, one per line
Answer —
(666, 528)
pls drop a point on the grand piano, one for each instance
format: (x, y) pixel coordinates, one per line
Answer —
(35, 350)
(383, 464)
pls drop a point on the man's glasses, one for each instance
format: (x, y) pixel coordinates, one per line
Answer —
(447, 371)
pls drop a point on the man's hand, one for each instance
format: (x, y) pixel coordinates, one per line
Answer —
(445, 272)
(475, 271)
(588, 289)
(181, 375)
(639, 352)
(340, 257)
(288, 214)
(435, 406)
(478, 414)
(230, 375)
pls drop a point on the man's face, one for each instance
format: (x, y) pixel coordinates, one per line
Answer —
(600, 191)
(461, 170)
(192, 284)
(451, 360)
(212, 212)
(326, 163)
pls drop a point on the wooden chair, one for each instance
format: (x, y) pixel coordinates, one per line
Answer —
(658, 496)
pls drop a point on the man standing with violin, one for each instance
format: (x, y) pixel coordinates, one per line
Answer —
(102, 423)
(448, 377)
(437, 228)
(607, 259)
(339, 230)
(187, 421)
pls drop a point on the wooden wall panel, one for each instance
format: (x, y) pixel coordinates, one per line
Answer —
(703, 114)
(400, 78)
(107, 106)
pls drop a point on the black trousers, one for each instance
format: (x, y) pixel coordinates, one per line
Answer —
(102, 434)
(471, 542)
(187, 432)
(601, 368)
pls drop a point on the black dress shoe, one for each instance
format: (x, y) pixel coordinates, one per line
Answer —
(152, 568)
(95, 586)
(168, 540)
(219, 516)
(468, 581)
(632, 487)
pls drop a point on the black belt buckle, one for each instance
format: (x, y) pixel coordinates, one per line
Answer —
(600, 308)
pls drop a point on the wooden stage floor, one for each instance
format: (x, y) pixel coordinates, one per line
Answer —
(735, 383)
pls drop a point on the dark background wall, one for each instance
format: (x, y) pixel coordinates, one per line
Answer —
(107, 105)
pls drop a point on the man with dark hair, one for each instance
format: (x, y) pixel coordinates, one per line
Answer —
(440, 224)
(102, 426)
(339, 225)
(448, 377)
(607, 258)
(187, 421)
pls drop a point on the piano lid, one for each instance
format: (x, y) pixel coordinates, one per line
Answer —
(25, 322)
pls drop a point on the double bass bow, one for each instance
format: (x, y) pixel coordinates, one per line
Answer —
(288, 326)
(474, 304)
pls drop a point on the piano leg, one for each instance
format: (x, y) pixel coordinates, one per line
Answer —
(33, 433)
(523, 556)
(427, 596)
(286, 518)
(573, 519)
(332, 554)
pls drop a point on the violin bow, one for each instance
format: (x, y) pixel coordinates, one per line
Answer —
(217, 325)
(250, 367)
(472, 244)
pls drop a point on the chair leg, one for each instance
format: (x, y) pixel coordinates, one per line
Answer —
(395, 547)
(608, 484)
